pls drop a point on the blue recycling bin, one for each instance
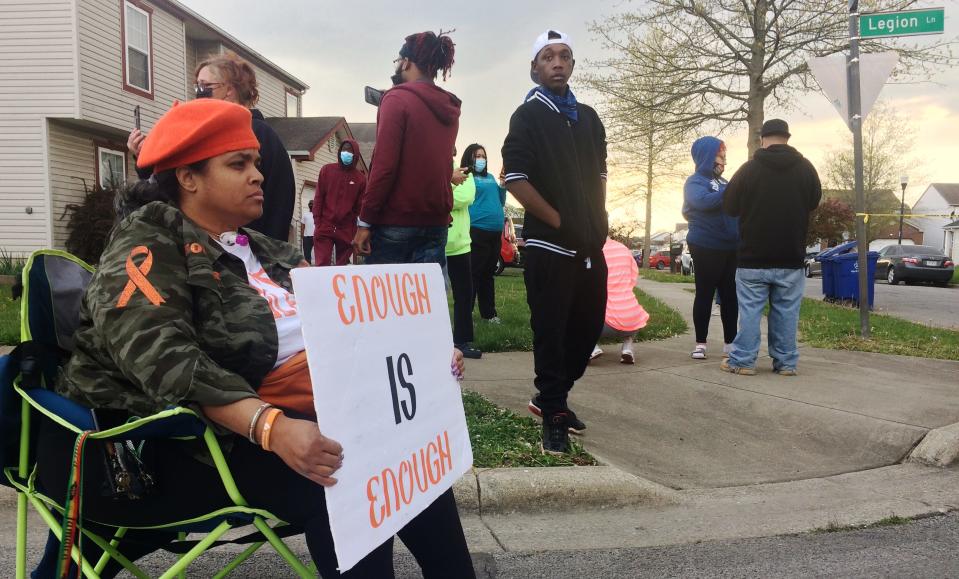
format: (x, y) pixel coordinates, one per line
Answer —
(829, 267)
(846, 275)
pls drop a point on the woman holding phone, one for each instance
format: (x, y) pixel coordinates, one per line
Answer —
(230, 78)
(486, 229)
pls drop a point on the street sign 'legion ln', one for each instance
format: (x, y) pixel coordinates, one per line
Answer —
(905, 23)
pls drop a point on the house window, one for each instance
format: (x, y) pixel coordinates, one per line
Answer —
(292, 104)
(137, 32)
(111, 167)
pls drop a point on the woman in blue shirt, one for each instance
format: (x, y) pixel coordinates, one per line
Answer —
(486, 229)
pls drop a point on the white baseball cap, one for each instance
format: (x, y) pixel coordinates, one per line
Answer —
(545, 39)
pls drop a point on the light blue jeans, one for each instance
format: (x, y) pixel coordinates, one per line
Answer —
(782, 289)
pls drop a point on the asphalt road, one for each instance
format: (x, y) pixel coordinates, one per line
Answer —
(924, 548)
(934, 306)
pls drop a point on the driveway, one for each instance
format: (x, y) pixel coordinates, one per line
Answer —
(933, 306)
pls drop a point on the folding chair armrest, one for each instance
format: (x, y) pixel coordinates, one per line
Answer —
(176, 422)
(60, 409)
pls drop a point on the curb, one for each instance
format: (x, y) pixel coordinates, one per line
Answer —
(541, 489)
(939, 447)
(530, 490)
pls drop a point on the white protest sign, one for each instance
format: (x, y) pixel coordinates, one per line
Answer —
(379, 346)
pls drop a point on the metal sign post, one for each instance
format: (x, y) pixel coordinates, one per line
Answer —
(855, 123)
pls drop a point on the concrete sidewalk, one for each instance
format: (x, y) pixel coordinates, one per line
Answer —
(685, 424)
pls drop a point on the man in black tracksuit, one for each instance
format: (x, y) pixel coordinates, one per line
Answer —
(555, 162)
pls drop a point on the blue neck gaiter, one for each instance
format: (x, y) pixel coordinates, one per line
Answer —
(566, 104)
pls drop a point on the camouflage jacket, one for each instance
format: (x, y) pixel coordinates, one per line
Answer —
(170, 318)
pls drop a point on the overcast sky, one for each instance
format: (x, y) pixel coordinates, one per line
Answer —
(339, 47)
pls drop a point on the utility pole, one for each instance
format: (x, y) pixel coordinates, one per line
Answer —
(855, 123)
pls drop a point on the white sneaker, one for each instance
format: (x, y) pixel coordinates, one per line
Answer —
(699, 352)
(597, 352)
(626, 357)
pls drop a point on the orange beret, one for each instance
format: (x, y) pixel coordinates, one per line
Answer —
(197, 130)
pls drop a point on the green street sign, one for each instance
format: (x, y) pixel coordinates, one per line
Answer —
(905, 23)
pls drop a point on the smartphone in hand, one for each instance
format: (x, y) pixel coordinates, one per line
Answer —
(373, 96)
(136, 116)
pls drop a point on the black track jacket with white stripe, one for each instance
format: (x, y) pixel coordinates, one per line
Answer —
(566, 163)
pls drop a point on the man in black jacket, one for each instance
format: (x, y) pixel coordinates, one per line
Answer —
(773, 195)
(555, 163)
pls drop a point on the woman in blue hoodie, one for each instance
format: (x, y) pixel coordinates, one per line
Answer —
(712, 240)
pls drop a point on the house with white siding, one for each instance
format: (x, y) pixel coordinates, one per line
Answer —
(951, 243)
(936, 208)
(71, 74)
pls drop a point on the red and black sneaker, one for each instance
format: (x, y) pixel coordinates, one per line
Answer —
(576, 426)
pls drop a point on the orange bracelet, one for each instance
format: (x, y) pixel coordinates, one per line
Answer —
(268, 420)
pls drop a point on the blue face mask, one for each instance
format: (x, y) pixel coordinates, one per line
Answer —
(346, 157)
(480, 165)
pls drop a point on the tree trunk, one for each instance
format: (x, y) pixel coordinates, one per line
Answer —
(754, 118)
(757, 92)
(649, 201)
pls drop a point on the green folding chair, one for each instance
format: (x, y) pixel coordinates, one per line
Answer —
(54, 283)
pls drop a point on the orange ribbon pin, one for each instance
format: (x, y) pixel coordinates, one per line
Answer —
(138, 279)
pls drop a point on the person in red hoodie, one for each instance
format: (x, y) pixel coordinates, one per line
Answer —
(405, 210)
(336, 205)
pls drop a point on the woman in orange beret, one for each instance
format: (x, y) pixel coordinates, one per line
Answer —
(188, 307)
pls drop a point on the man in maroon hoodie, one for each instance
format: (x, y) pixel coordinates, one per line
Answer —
(405, 210)
(336, 205)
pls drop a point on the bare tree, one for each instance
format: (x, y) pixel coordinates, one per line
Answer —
(887, 142)
(646, 147)
(733, 55)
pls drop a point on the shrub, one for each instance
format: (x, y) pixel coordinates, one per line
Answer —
(90, 222)
(10, 264)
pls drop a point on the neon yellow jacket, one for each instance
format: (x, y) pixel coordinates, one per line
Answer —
(458, 236)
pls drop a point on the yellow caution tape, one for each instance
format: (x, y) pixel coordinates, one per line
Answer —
(866, 216)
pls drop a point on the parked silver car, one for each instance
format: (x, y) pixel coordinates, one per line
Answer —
(813, 267)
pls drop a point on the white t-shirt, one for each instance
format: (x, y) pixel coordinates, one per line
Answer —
(282, 303)
(308, 226)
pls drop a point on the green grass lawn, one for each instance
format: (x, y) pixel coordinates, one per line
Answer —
(665, 276)
(9, 318)
(514, 333)
(501, 438)
(955, 276)
(835, 327)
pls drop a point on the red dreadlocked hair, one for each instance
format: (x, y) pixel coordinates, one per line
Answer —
(432, 53)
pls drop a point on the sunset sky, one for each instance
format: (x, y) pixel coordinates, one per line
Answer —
(338, 47)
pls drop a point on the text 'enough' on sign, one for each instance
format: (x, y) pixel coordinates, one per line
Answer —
(361, 299)
(905, 23)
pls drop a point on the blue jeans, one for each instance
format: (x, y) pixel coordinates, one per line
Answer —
(782, 289)
(396, 244)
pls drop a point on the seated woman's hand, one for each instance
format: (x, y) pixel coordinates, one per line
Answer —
(458, 366)
(303, 448)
